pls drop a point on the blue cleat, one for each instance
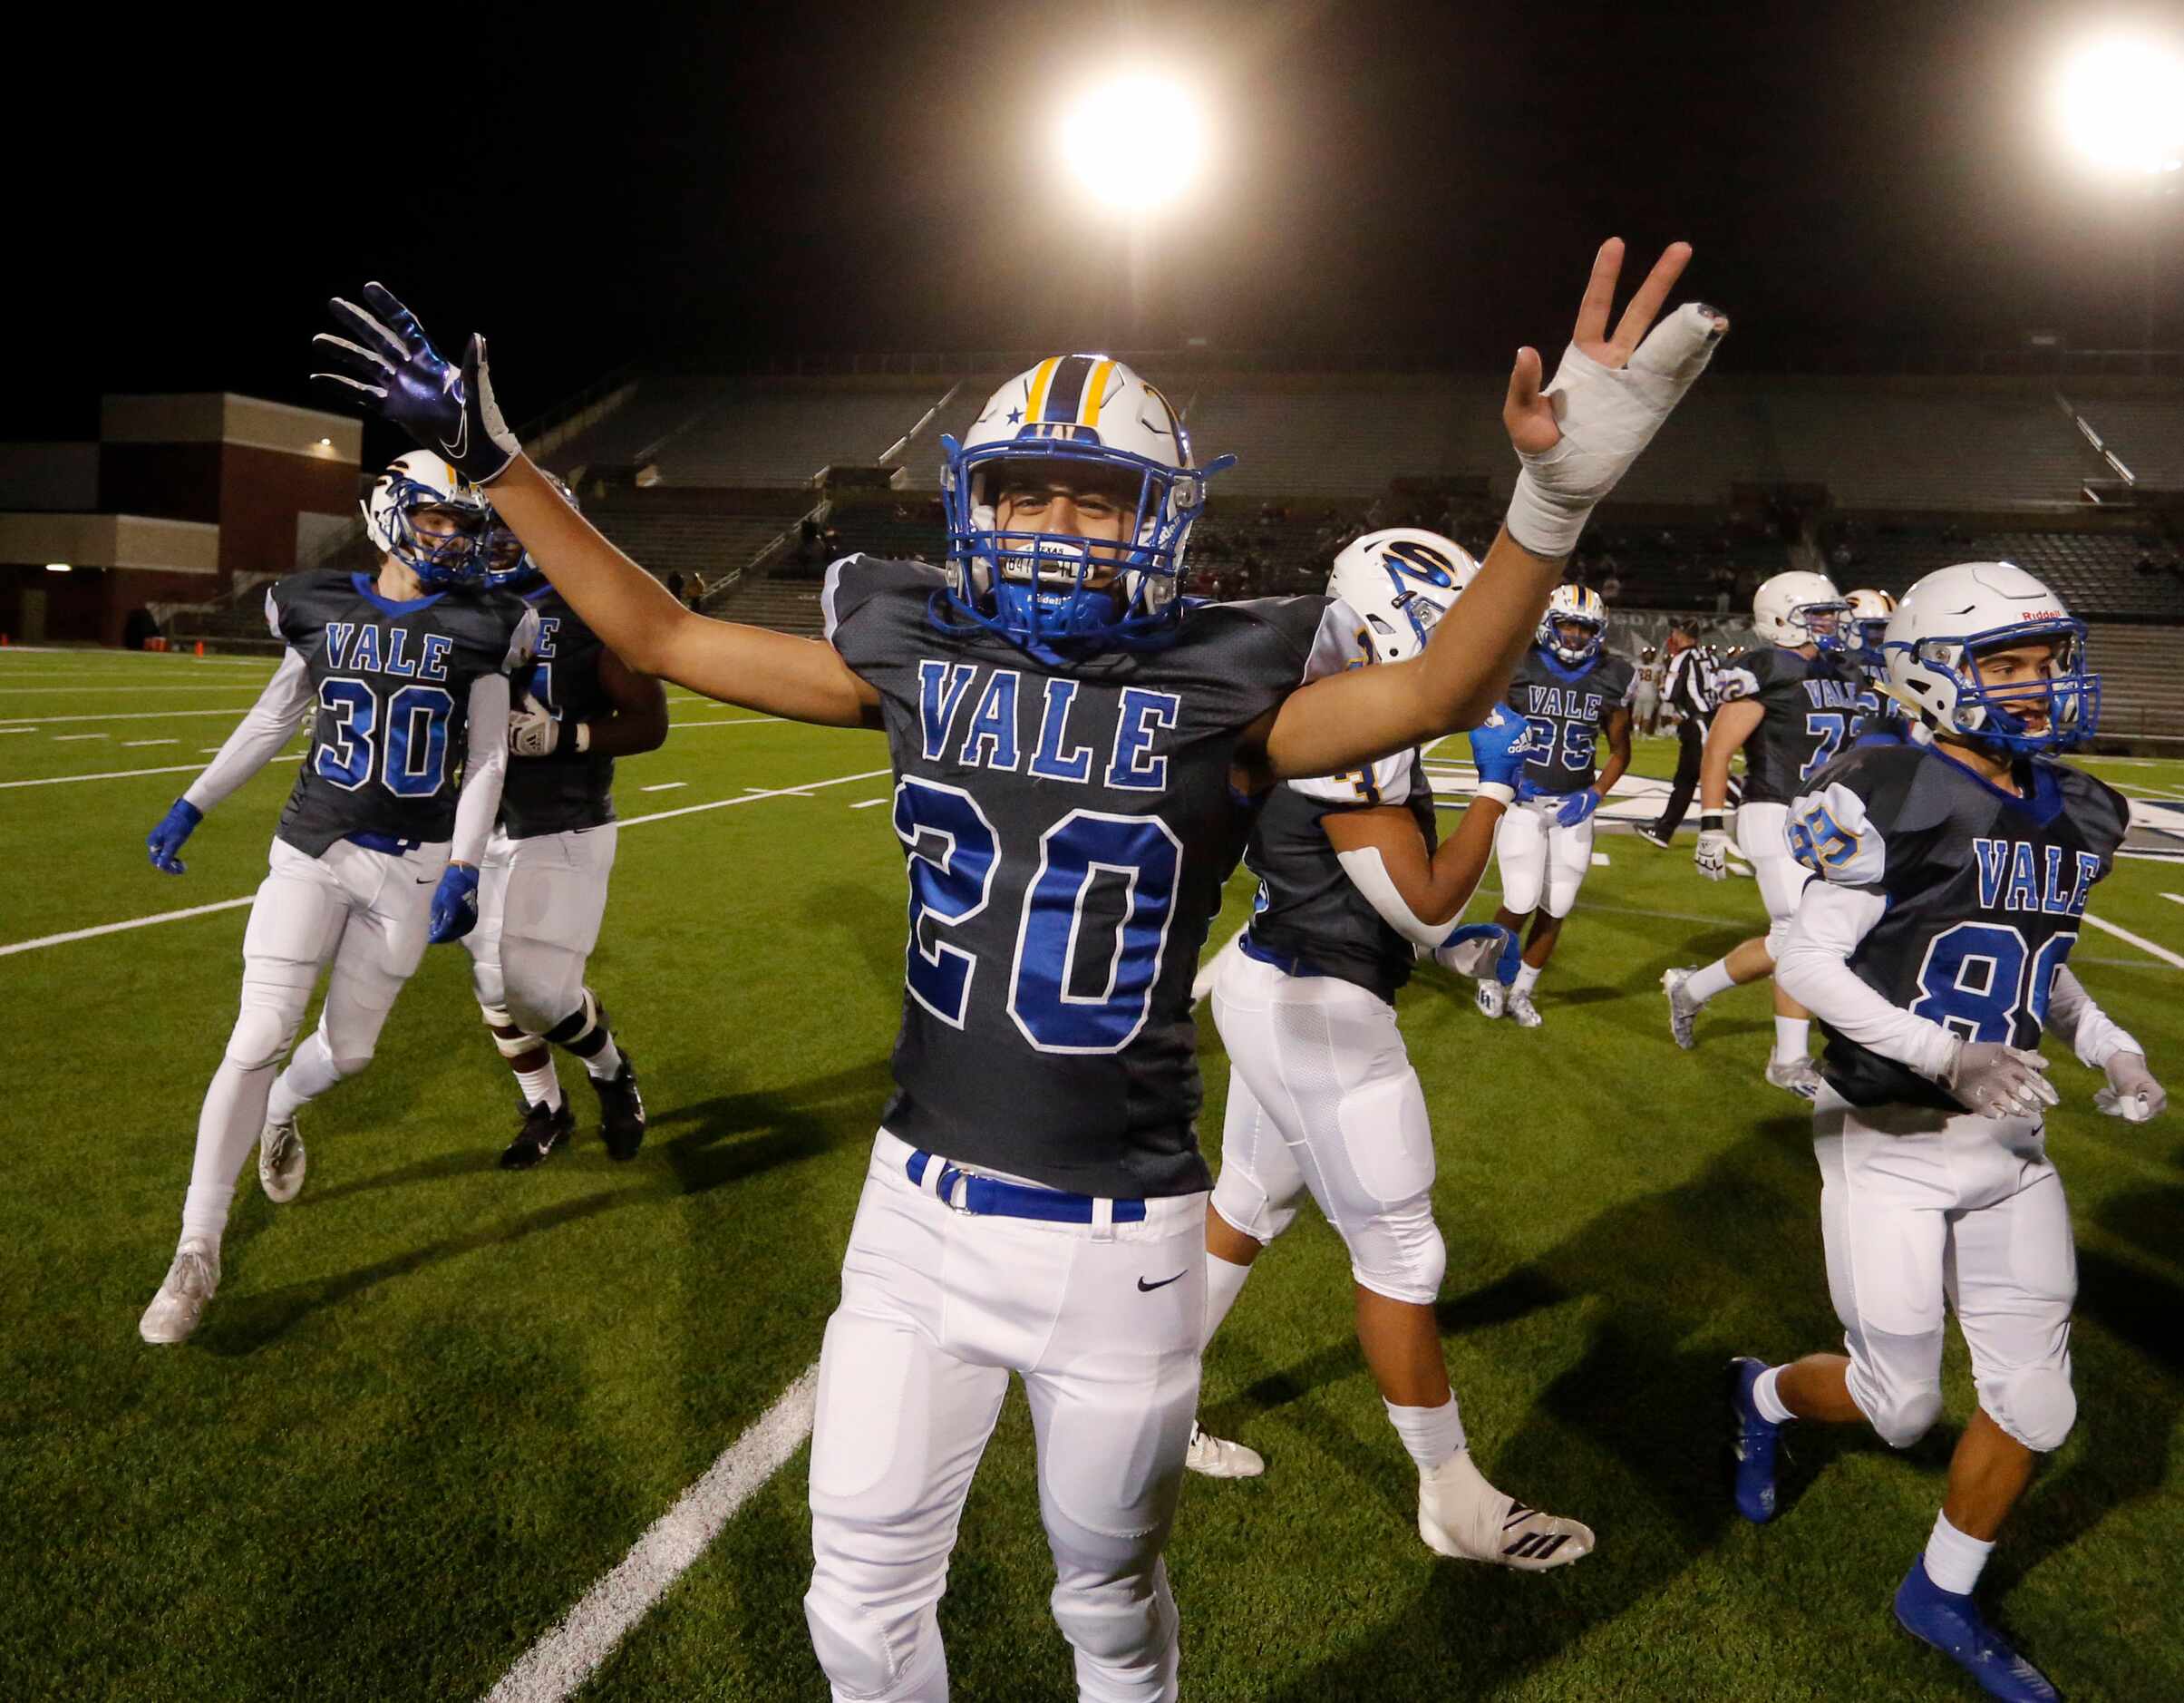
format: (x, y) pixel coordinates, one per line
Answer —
(1951, 1623)
(1753, 1444)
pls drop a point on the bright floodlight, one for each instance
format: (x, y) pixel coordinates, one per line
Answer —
(1136, 140)
(2123, 104)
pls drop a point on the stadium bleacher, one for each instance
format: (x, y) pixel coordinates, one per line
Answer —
(784, 432)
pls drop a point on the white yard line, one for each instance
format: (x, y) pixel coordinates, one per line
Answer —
(118, 927)
(663, 786)
(130, 775)
(2174, 898)
(105, 691)
(867, 803)
(2139, 940)
(561, 1662)
(127, 715)
(131, 745)
(62, 736)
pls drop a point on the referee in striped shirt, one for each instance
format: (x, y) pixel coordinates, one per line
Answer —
(1688, 689)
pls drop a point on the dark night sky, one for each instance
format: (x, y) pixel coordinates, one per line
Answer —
(1857, 177)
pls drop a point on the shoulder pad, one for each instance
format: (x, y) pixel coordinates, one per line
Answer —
(854, 581)
(2099, 811)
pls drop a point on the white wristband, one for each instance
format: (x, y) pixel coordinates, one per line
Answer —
(1499, 792)
(1543, 523)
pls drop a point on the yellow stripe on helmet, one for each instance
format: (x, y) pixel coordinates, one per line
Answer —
(1042, 376)
(1095, 387)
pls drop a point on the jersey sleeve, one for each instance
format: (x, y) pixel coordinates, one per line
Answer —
(1386, 781)
(272, 615)
(1743, 675)
(1838, 828)
(854, 586)
(522, 646)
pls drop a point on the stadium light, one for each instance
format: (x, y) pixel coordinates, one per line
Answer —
(2121, 103)
(58, 568)
(1136, 142)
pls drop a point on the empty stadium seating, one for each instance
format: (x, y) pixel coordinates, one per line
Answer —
(768, 433)
(2113, 574)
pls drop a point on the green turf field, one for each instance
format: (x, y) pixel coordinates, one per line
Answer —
(435, 1402)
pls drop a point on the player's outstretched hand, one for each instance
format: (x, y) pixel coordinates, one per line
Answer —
(392, 369)
(2132, 1094)
(166, 839)
(454, 904)
(1578, 434)
(1712, 855)
(1992, 1079)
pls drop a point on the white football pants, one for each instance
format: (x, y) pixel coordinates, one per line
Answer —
(937, 1308)
(539, 904)
(1919, 1207)
(365, 912)
(1541, 859)
(1322, 1097)
(1760, 837)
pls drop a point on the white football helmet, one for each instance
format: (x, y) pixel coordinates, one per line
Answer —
(1401, 580)
(1799, 607)
(1869, 610)
(1582, 605)
(412, 483)
(1944, 623)
(1085, 410)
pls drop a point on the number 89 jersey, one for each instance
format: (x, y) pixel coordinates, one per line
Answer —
(1067, 827)
(393, 683)
(1809, 709)
(1983, 889)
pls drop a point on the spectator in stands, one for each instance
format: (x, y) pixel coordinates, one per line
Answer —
(697, 589)
(675, 584)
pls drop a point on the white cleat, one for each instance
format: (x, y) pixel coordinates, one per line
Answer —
(1217, 1457)
(1492, 998)
(1521, 1008)
(1800, 1075)
(280, 1162)
(190, 1282)
(1462, 1515)
(1683, 1012)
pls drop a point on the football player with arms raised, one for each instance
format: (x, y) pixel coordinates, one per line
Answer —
(1951, 877)
(543, 892)
(1791, 704)
(1573, 696)
(1065, 728)
(379, 844)
(1353, 884)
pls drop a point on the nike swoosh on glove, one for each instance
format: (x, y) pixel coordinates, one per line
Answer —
(454, 904)
(394, 372)
(1580, 807)
(2132, 1094)
(164, 840)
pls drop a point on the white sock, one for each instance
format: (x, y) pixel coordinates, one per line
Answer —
(541, 1086)
(1768, 1398)
(605, 1064)
(1429, 1435)
(310, 1073)
(1224, 1282)
(227, 1127)
(1792, 1038)
(1954, 1562)
(1704, 983)
(1528, 978)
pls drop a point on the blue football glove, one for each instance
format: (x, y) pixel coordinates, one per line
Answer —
(1499, 747)
(1507, 957)
(394, 372)
(164, 840)
(1578, 807)
(454, 904)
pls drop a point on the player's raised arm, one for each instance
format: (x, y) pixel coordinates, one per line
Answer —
(1576, 437)
(392, 369)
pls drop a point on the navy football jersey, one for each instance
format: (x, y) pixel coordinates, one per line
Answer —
(1066, 827)
(1985, 891)
(393, 683)
(1809, 712)
(1307, 907)
(1568, 709)
(563, 792)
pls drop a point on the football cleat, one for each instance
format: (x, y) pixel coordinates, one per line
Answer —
(1665, 841)
(1493, 997)
(1217, 1457)
(280, 1161)
(621, 1112)
(1521, 1008)
(1953, 1625)
(1462, 1515)
(189, 1283)
(1800, 1075)
(544, 1129)
(1683, 1013)
(1752, 1445)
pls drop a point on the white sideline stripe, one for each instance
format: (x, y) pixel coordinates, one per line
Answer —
(561, 1662)
(2174, 898)
(117, 928)
(867, 803)
(18, 730)
(129, 774)
(60, 737)
(2139, 940)
(663, 786)
(131, 745)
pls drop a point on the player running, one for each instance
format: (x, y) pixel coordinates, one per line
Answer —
(1789, 705)
(1952, 876)
(543, 889)
(1572, 696)
(1065, 727)
(375, 851)
(1321, 1092)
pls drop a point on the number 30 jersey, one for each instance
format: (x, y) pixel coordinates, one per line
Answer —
(1809, 711)
(393, 684)
(1984, 892)
(1568, 709)
(1066, 827)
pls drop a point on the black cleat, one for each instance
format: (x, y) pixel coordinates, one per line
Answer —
(1666, 841)
(543, 1131)
(621, 1111)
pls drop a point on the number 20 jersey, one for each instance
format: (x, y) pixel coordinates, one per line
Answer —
(1066, 827)
(1809, 711)
(1984, 889)
(393, 684)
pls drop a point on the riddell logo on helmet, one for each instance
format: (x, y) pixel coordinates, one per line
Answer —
(2040, 615)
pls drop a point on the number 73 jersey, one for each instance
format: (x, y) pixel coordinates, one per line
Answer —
(1809, 711)
(1067, 827)
(1981, 893)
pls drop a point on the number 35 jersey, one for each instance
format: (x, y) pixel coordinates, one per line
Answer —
(1809, 711)
(393, 684)
(1067, 827)
(1568, 709)
(1984, 892)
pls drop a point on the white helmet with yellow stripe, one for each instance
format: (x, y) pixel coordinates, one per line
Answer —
(1572, 606)
(1078, 419)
